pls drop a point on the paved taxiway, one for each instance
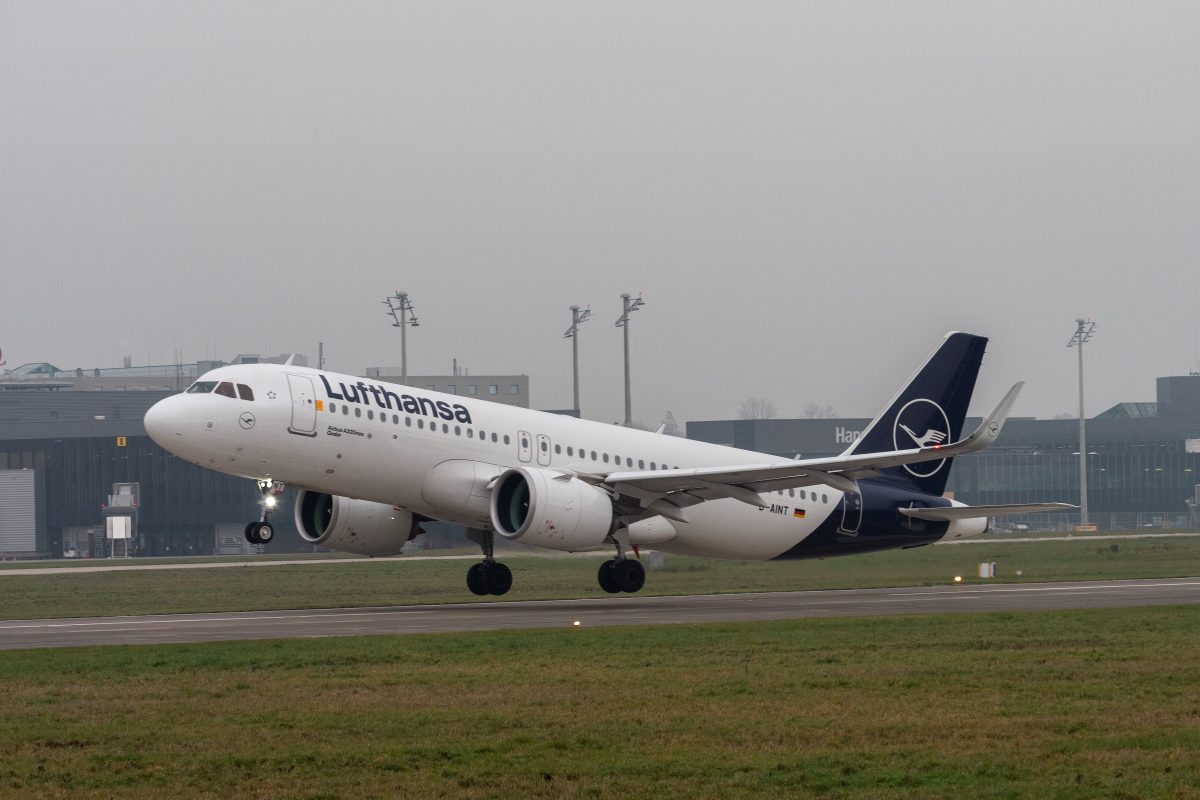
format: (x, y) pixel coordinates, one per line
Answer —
(625, 610)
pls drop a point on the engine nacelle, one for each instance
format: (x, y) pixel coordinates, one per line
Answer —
(550, 509)
(353, 526)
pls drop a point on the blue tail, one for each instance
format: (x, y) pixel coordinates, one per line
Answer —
(928, 411)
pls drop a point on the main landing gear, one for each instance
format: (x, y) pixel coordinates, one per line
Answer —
(488, 576)
(621, 574)
(262, 532)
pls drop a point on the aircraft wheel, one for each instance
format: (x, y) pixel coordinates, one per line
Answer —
(265, 533)
(607, 576)
(630, 574)
(252, 533)
(498, 579)
(475, 579)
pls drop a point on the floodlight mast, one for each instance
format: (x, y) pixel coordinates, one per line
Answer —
(627, 309)
(577, 317)
(1082, 335)
(401, 310)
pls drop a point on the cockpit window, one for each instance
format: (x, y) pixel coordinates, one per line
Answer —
(201, 387)
(225, 388)
(245, 392)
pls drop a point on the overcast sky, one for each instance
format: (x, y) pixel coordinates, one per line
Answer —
(808, 195)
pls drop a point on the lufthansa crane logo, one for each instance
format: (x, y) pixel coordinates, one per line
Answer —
(921, 423)
(246, 420)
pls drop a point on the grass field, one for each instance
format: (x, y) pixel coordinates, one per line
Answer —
(1088, 704)
(363, 582)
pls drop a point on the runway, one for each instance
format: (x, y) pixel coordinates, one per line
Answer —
(624, 610)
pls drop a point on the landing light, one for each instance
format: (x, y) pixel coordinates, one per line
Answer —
(271, 501)
(958, 578)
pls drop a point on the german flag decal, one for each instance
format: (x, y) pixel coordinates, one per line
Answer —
(798, 513)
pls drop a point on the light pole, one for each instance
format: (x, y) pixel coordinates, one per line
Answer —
(1082, 335)
(627, 309)
(572, 333)
(401, 310)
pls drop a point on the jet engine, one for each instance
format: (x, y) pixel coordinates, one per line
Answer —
(353, 526)
(550, 509)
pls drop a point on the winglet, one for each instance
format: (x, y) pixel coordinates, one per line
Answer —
(989, 430)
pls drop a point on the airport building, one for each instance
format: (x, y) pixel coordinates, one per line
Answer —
(1143, 459)
(80, 477)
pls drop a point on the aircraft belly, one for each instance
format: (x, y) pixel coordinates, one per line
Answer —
(734, 530)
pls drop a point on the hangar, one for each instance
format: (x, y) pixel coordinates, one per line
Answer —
(1143, 459)
(71, 439)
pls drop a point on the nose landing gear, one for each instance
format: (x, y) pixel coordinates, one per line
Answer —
(262, 532)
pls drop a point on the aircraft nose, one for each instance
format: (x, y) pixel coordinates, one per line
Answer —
(161, 423)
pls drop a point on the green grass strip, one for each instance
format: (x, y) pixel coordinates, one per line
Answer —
(1086, 704)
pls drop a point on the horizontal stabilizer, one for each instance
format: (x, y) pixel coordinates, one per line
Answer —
(974, 512)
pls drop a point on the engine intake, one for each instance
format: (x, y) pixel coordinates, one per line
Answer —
(550, 509)
(353, 526)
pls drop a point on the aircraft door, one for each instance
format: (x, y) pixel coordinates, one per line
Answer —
(524, 447)
(304, 407)
(852, 506)
(543, 450)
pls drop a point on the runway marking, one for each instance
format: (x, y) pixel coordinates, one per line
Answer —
(951, 591)
(714, 601)
(186, 620)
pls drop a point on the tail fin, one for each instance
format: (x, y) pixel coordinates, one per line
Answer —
(928, 411)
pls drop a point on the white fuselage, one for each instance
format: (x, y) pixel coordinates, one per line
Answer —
(433, 454)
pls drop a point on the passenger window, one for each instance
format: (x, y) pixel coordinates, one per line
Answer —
(458, 430)
(494, 438)
(824, 498)
(545, 447)
(470, 433)
(803, 495)
(594, 456)
(201, 387)
(629, 462)
(408, 422)
(245, 392)
(791, 492)
(332, 408)
(445, 428)
(558, 449)
(370, 414)
(641, 464)
(570, 451)
(358, 412)
(345, 410)
(225, 389)
(653, 466)
(421, 424)
(506, 439)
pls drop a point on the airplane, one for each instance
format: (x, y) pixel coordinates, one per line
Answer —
(374, 460)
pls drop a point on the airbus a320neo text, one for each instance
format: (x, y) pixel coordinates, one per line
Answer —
(373, 461)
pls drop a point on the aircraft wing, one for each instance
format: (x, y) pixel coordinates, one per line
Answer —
(686, 487)
(973, 512)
